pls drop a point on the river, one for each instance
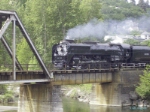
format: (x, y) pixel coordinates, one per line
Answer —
(11, 107)
(71, 105)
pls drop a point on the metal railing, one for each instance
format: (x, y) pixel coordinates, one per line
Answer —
(34, 67)
(26, 67)
(50, 67)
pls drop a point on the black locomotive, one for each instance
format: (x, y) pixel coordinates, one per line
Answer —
(92, 55)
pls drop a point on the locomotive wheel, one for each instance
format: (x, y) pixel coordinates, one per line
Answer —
(97, 66)
(68, 68)
(105, 65)
(92, 66)
(84, 66)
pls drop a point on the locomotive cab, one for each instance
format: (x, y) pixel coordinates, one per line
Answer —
(126, 49)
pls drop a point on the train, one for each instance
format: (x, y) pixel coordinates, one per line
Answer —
(94, 55)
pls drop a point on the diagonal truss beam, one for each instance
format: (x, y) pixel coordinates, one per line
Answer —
(5, 26)
(11, 16)
(11, 53)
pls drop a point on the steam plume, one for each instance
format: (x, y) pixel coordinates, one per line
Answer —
(97, 29)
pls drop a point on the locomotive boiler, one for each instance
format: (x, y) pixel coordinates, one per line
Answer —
(93, 55)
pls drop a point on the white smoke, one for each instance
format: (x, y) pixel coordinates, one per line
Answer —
(137, 1)
(144, 24)
(98, 29)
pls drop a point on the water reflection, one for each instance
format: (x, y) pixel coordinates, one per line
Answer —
(70, 105)
(106, 109)
(117, 109)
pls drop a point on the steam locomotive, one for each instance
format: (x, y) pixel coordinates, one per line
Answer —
(93, 55)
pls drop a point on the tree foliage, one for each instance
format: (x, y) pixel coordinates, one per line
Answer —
(120, 9)
(143, 89)
(147, 43)
(23, 48)
(48, 21)
(132, 42)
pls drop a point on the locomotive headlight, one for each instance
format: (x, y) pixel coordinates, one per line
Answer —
(64, 47)
(59, 50)
(62, 50)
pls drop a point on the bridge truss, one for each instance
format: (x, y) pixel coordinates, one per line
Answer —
(11, 17)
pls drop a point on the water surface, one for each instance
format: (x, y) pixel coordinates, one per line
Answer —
(71, 105)
(10, 107)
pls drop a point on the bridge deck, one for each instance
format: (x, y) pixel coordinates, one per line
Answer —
(59, 76)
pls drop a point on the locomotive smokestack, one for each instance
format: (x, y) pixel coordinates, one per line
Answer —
(68, 39)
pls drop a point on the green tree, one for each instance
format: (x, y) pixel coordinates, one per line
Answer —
(120, 9)
(143, 89)
(48, 21)
(135, 32)
(132, 42)
(24, 52)
(147, 42)
(90, 9)
(143, 4)
(7, 5)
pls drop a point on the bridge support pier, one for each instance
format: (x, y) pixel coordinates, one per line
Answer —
(106, 94)
(40, 98)
(119, 92)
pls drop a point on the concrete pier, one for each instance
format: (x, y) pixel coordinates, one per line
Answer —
(40, 98)
(119, 92)
(56, 101)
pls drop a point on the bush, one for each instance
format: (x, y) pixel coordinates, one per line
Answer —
(8, 98)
